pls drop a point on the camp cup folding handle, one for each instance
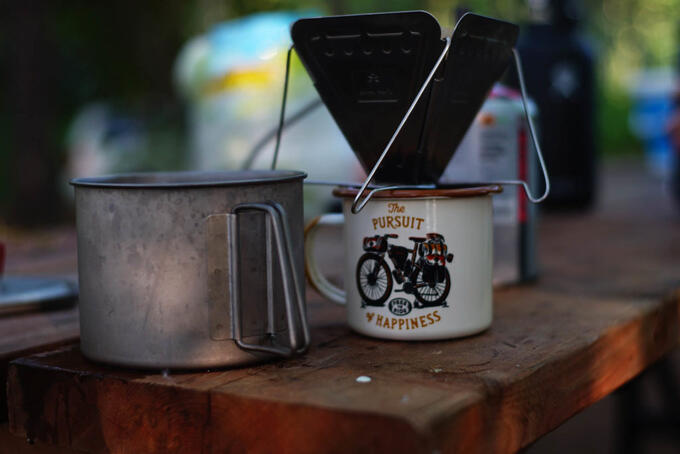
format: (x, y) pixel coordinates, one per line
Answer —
(224, 277)
(317, 280)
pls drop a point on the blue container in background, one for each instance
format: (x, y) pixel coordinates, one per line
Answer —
(652, 92)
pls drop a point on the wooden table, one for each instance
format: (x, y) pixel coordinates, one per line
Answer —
(37, 253)
(606, 307)
(45, 252)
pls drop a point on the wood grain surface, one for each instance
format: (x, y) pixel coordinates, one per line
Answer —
(11, 444)
(605, 308)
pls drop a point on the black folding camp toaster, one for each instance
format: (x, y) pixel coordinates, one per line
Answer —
(402, 95)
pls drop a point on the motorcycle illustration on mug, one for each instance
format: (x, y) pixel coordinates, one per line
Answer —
(421, 269)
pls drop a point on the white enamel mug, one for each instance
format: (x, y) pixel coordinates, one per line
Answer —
(417, 263)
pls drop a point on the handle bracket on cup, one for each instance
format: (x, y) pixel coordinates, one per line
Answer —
(291, 286)
(224, 284)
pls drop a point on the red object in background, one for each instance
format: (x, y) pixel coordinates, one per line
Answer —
(2, 258)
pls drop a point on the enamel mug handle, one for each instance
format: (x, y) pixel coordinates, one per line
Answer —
(317, 280)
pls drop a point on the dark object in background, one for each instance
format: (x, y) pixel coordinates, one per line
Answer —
(55, 58)
(638, 421)
(29, 74)
(560, 78)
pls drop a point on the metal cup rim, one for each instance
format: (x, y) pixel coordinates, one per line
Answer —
(188, 179)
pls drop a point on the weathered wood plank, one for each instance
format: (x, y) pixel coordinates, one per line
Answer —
(492, 393)
(35, 253)
(28, 333)
(11, 444)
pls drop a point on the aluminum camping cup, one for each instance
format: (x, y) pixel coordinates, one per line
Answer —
(417, 265)
(191, 269)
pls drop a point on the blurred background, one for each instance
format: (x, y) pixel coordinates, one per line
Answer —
(89, 88)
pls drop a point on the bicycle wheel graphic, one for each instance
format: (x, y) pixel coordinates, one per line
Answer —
(374, 280)
(432, 293)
